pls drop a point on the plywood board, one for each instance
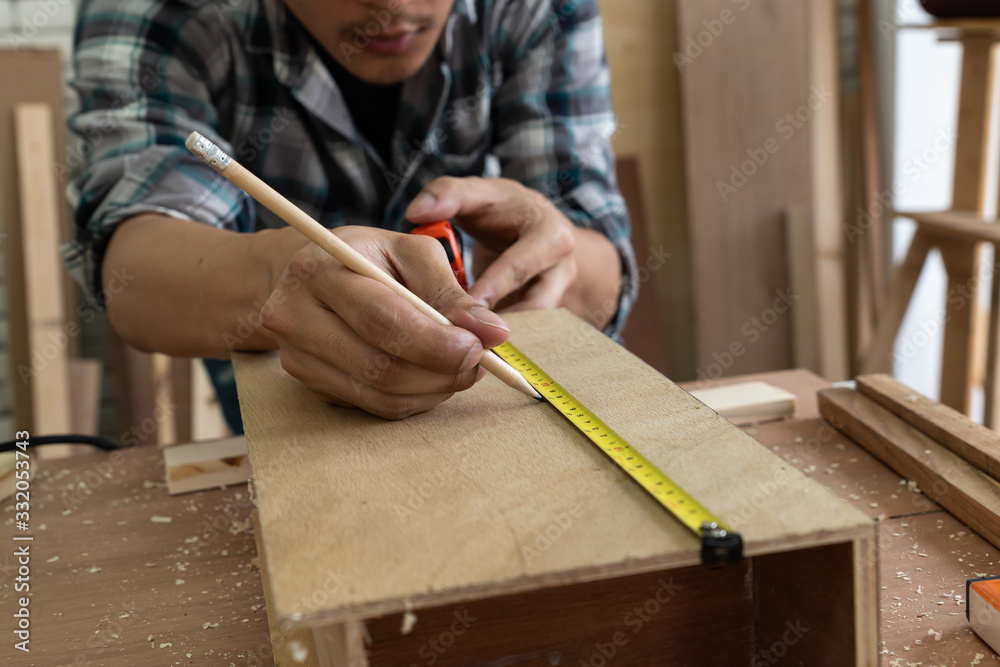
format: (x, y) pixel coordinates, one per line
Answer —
(757, 143)
(492, 493)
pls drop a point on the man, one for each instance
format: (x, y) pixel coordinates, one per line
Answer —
(373, 116)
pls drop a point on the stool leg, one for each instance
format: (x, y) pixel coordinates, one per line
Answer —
(991, 414)
(961, 260)
(904, 281)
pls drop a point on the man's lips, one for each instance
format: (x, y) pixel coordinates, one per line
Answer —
(393, 44)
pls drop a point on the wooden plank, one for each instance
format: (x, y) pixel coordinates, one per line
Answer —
(85, 395)
(748, 402)
(827, 187)
(736, 201)
(27, 76)
(991, 381)
(959, 350)
(973, 442)
(872, 241)
(904, 281)
(968, 194)
(531, 517)
(48, 332)
(207, 420)
(7, 478)
(743, 176)
(970, 494)
(196, 466)
(957, 225)
(802, 278)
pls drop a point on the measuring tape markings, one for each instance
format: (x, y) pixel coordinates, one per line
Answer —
(679, 502)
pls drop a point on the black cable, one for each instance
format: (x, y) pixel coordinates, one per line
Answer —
(69, 439)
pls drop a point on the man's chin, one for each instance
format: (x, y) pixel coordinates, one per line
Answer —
(385, 70)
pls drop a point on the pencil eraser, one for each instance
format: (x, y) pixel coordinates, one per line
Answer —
(982, 609)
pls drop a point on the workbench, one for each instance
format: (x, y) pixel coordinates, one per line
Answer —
(114, 581)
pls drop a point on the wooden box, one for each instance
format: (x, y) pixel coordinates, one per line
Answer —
(489, 531)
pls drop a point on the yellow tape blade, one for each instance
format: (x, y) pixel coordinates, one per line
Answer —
(670, 494)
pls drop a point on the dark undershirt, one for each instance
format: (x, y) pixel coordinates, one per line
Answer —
(372, 107)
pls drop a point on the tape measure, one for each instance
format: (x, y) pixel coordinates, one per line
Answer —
(718, 542)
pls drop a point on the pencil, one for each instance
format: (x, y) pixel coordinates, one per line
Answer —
(216, 158)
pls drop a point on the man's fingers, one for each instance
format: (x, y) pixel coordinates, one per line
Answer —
(426, 272)
(533, 254)
(334, 386)
(447, 197)
(547, 291)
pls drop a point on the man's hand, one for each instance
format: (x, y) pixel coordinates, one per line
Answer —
(354, 342)
(528, 255)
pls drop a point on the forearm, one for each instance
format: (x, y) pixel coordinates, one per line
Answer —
(593, 295)
(193, 290)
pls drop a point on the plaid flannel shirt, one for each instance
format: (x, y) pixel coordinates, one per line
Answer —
(515, 88)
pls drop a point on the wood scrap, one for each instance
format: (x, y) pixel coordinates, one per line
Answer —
(748, 402)
(982, 609)
(968, 493)
(973, 442)
(197, 466)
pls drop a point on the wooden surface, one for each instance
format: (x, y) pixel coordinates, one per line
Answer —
(973, 442)
(925, 556)
(738, 237)
(106, 576)
(46, 360)
(348, 471)
(969, 494)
